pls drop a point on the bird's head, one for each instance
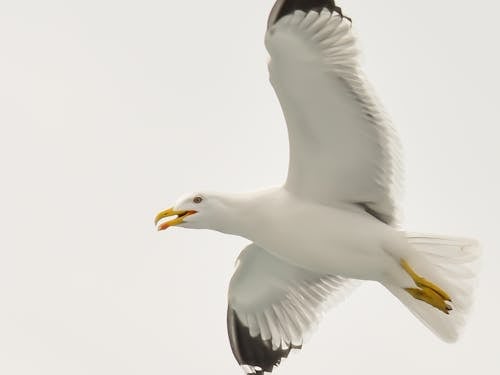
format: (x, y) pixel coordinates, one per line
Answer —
(194, 210)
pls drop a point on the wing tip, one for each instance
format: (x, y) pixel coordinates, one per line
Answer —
(253, 354)
(283, 8)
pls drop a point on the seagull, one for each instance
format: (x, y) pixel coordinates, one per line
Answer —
(335, 220)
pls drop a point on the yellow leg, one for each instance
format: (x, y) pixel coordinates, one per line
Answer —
(427, 291)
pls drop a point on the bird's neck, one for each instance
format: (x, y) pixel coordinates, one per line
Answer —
(245, 212)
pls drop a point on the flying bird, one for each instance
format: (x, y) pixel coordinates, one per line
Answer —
(334, 222)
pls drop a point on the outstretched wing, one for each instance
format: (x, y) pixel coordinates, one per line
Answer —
(343, 148)
(273, 306)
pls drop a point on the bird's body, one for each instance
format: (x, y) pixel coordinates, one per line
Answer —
(335, 218)
(276, 220)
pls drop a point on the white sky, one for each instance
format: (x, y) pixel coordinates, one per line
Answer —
(109, 110)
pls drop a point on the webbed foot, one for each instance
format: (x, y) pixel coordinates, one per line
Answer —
(427, 291)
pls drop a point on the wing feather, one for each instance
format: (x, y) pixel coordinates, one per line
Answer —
(274, 306)
(343, 147)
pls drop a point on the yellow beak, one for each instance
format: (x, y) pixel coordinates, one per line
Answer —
(170, 212)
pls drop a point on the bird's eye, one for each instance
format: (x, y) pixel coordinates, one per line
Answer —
(197, 199)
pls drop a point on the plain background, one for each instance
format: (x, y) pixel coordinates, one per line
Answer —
(109, 110)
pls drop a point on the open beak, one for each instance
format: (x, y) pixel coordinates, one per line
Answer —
(176, 221)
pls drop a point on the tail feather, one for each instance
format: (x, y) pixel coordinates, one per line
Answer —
(451, 263)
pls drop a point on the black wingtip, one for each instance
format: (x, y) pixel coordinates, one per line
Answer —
(284, 7)
(251, 351)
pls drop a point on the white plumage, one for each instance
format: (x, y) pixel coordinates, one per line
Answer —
(281, 302)
(334, 220)
(342, 145)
